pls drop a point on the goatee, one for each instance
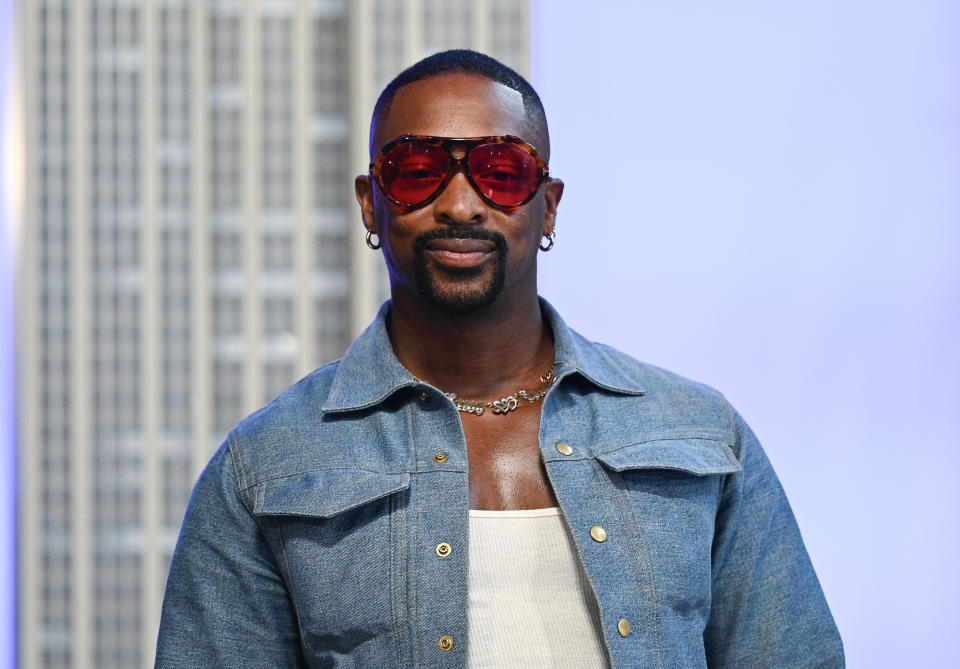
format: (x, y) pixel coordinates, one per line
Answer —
(465, 296)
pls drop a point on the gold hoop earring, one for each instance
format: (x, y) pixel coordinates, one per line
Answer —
(370, 234)
(552, 236)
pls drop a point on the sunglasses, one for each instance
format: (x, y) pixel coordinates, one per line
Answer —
(412, 170)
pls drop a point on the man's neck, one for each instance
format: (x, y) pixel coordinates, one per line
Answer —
(479, 355)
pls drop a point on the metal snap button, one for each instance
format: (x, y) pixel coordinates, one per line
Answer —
(424, 397)
(623, 626)
(443, 550)
(598, 533)
(440, 457)
(446, 642)
(565, 449)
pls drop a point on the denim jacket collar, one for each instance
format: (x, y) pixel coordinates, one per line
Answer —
(369, 372)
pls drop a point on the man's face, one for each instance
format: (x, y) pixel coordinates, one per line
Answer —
(458, 252)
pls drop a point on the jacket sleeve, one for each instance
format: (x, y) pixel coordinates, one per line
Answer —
(225, 603)
(767, 609)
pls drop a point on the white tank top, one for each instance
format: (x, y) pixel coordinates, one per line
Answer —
(530, 603)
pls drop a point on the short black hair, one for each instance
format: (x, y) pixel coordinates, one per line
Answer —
(465, 61)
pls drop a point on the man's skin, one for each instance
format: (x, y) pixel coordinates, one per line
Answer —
(484, 353)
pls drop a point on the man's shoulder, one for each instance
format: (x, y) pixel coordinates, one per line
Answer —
(298, 404)
(611, 368)
(675, 398)
(652, 375)
(281, 437)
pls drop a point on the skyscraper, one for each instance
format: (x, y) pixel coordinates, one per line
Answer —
(190, 247)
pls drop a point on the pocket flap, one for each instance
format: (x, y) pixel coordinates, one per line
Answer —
(700, 457)
(325, 493)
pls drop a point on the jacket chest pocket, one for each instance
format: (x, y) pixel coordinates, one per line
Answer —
(670, 491)
(337, 538)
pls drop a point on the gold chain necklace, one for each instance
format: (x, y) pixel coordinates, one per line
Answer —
(506, 404)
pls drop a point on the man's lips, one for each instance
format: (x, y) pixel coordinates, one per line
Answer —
(459, 252)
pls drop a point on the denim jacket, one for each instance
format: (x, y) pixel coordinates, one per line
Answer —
(310, 538)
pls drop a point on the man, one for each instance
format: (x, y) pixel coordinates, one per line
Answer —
(473, 483)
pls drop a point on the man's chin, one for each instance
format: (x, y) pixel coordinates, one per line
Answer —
(462, 297)
(460, 289)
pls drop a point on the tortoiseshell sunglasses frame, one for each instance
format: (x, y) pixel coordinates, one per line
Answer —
(459, 164)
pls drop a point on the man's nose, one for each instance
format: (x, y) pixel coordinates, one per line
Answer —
(459, 203)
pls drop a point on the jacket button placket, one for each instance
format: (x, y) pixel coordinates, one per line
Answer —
(438, 499)
(599, 535)
(602, 538)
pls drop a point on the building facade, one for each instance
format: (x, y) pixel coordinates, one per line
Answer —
(190, 246)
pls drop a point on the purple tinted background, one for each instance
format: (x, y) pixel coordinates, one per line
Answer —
(8, 461)
(766, 197)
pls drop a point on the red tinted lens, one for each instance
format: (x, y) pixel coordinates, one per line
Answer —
(505, 173)
(412, 171)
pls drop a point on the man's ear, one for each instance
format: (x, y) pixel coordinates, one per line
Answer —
(553, 191)
(363, 186)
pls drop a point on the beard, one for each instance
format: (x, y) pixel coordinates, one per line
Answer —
(468, 288)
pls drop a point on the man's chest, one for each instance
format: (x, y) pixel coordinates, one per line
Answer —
(506, 470)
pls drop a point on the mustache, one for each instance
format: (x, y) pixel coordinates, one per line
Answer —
(498, 240)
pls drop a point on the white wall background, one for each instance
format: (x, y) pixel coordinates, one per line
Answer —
(765, 196)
